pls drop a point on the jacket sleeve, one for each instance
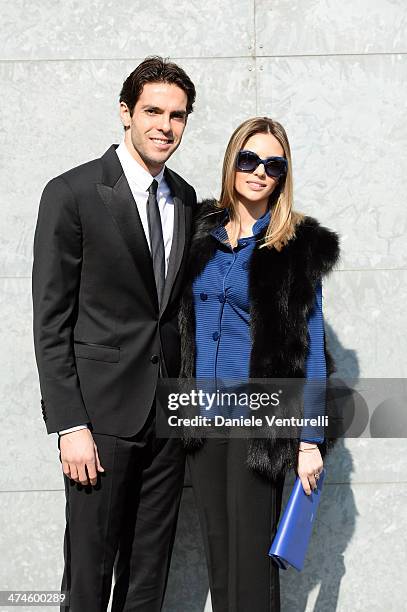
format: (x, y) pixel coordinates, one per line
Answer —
(315, 385)
(55, 286)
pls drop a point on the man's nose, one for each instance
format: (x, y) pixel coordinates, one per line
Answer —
(165, 124)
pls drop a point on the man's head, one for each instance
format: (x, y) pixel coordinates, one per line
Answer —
(155, 101)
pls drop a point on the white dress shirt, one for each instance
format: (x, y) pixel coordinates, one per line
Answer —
(139, 181)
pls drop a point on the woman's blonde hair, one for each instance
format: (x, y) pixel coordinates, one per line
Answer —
(283, 218)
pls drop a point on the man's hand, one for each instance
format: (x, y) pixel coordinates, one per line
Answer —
(79, 457)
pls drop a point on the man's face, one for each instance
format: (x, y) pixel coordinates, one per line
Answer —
(156, 127)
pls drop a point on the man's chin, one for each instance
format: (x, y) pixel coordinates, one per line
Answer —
(159, 158)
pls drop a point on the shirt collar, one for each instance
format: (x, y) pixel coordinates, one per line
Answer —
(260, 224)
(134, 172)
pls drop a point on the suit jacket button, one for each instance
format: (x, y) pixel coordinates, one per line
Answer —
(154, 359)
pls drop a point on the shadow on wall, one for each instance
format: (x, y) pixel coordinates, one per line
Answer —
(317, 586)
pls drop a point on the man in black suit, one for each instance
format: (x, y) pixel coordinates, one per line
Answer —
(110, 250)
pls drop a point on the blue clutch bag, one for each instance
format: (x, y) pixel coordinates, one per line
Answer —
(290, 544)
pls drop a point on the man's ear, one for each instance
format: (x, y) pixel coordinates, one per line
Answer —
(125, 115)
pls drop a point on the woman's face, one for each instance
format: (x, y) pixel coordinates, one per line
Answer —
(257, 186)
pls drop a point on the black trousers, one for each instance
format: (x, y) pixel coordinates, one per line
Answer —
(239, 512)
(124, 525)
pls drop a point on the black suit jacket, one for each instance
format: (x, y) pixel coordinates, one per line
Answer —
(100, 338)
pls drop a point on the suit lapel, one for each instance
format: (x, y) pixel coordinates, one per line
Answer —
(117, 197)
(178, 238)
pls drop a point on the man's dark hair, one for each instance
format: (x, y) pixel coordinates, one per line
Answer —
(155, 69)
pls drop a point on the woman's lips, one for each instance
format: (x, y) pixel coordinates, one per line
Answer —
(256, 186)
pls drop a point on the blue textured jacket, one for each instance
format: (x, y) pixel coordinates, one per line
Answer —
(283, 290)
(222, 314)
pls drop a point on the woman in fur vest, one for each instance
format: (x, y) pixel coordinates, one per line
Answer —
(252, 308)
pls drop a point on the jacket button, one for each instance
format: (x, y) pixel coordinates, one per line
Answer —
(215, 336)
(154, 359)
(222, 298)
(204, 297)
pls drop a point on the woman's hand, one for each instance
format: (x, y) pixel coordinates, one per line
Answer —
(309, 463)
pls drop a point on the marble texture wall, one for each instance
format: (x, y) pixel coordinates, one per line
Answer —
(335, 75)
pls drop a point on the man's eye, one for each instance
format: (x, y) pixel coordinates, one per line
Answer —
(151, 111)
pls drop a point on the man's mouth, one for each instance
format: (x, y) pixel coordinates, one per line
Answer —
(162, 140)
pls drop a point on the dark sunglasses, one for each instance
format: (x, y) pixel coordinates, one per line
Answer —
(275, 167)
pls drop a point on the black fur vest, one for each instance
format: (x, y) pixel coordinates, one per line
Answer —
(282, 293)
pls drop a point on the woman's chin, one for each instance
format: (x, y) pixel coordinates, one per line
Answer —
(254, 197)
